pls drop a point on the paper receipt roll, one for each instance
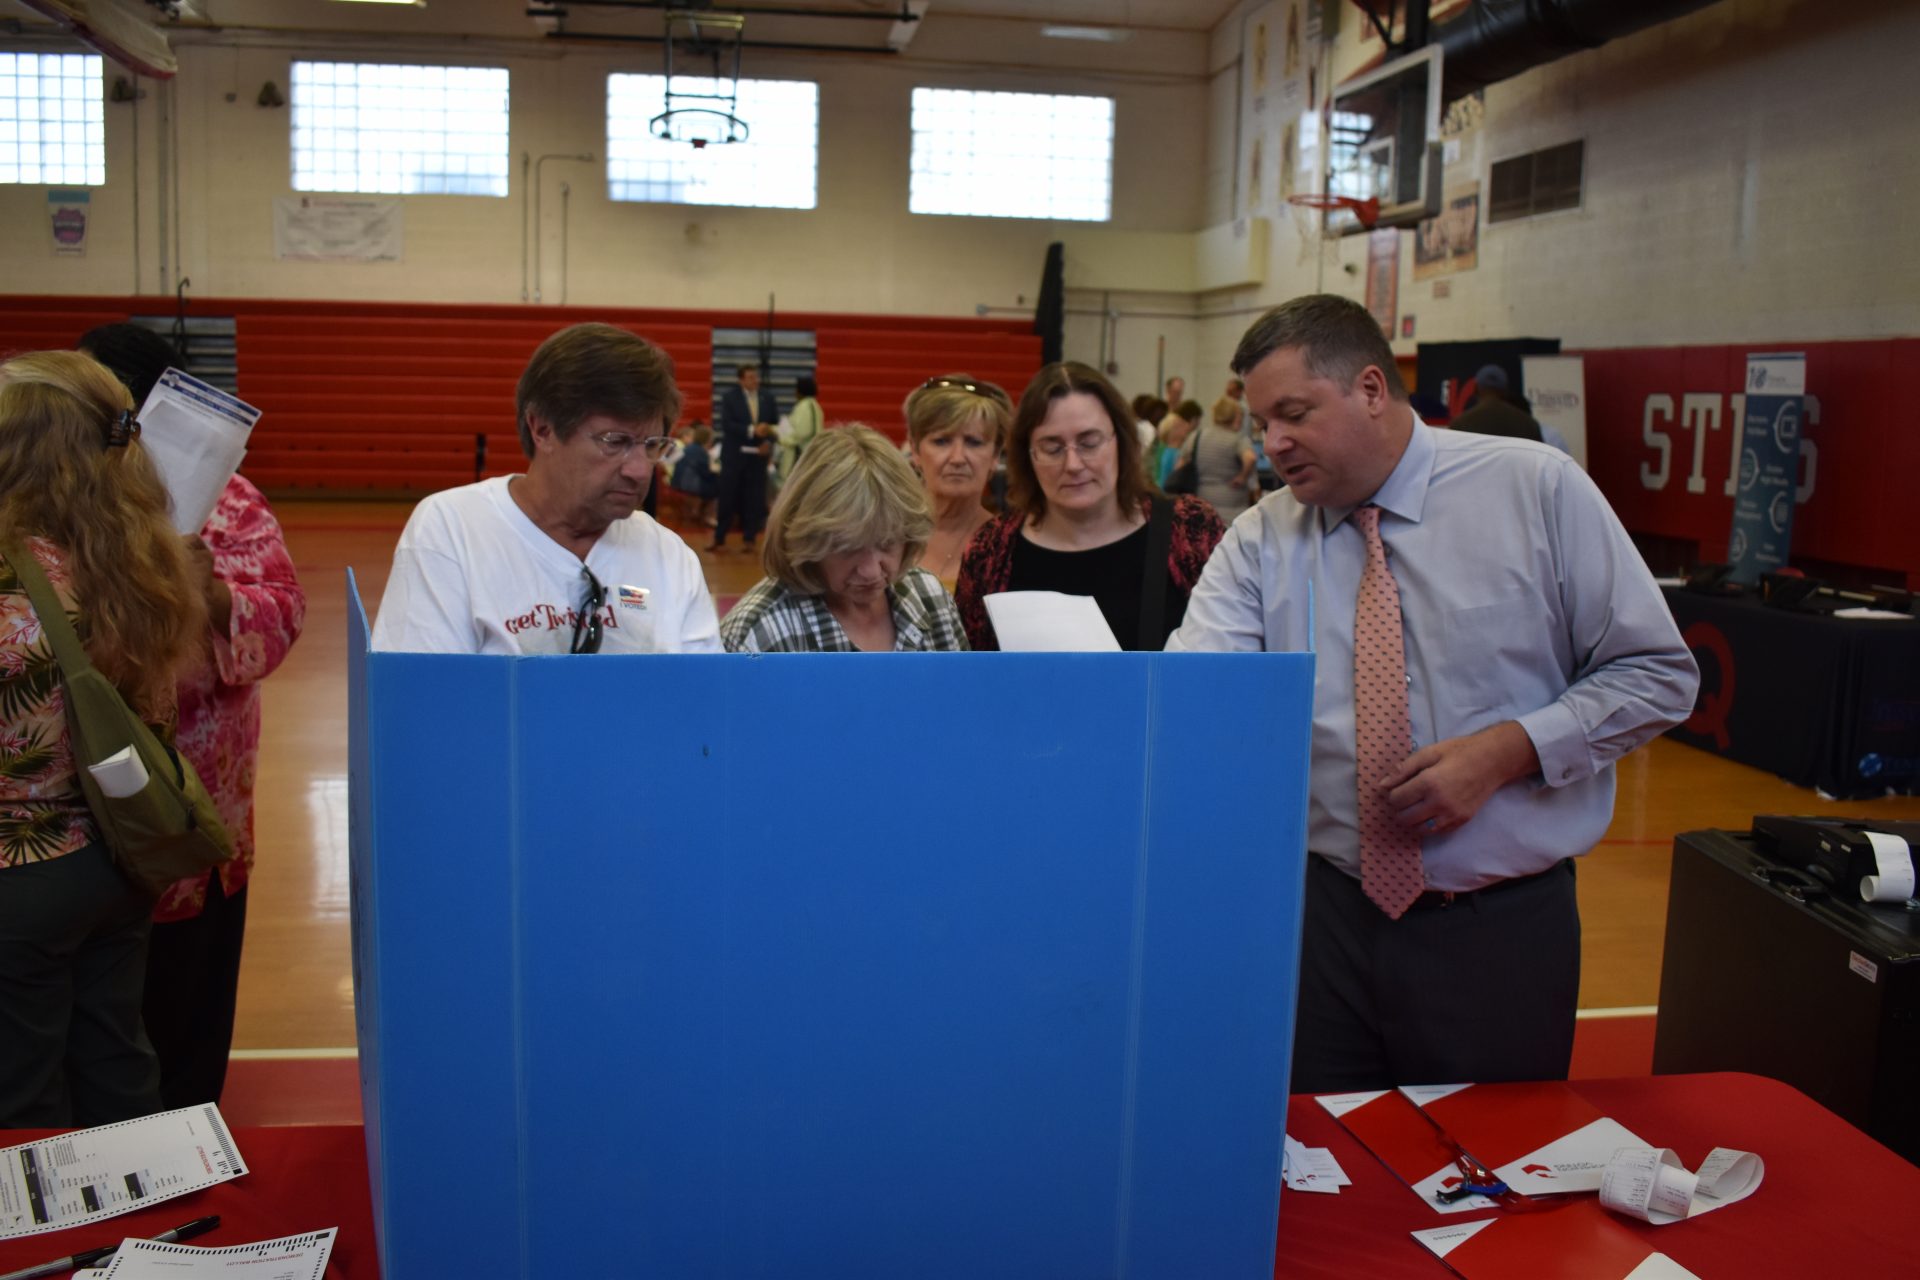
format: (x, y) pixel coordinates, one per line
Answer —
(121, 774)
(1651, 1184)
(1892, 880)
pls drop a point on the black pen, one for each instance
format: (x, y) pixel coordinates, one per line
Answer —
(92, 1257)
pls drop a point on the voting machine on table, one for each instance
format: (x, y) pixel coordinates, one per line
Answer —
(814, 965)
(1775, 964)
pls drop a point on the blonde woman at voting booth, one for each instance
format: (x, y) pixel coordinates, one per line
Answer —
(843, 547)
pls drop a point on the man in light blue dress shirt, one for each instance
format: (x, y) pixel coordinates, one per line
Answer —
(1538, 651)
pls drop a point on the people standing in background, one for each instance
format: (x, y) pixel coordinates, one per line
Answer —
(1488, 642)
(1223, 461)
(81, 497)
(1176, 429)
(1086, 519)
(955, 428)
(1147, 413)
(255, 608)
(803, 424)
(695, 475)
(746, 421)
(1497, 411)
(1176, 390)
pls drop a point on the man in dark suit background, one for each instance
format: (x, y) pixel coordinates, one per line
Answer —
(746, 421)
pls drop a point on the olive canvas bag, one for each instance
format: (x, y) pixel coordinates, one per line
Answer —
(168, 828)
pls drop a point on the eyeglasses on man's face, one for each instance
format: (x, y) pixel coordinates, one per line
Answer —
(587, 626)
(1088, 444)
(621, 444)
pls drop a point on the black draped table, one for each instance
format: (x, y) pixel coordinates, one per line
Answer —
(1824, 702)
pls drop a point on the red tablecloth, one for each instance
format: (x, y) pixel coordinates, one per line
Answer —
(1834, 1203)
(300, 1178)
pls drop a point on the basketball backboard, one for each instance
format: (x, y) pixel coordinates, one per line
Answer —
(1384, 142)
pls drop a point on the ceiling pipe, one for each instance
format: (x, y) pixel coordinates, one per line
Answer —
(1495, 40)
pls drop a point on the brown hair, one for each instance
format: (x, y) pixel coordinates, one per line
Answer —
(1337, 338)
(951, 401)
(1131, 486)
(107, 510)
(588, 369)
(853, 490)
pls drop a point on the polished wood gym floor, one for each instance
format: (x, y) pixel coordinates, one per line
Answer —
(296, 988)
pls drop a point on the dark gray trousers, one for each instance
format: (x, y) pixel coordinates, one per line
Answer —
(73, 959)
(1477, 991)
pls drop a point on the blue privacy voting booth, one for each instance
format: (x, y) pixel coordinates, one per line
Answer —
(820, 966)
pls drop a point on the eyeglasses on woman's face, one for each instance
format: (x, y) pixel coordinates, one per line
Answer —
(1053, 450)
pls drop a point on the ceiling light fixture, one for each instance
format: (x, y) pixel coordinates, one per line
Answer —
(1104, 35)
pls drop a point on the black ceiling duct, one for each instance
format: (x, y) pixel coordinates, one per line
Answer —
(1495, 40)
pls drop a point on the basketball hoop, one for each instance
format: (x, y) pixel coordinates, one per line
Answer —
(1365, 212)
(697, 126)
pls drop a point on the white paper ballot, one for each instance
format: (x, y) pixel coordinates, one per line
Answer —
(1049, 622)
(196, 434)
(1651, 1184)
(97, 1173)
(1881, 615)
(1892, 878)
(301, 1257)
(121, 774)
(1307, 1168)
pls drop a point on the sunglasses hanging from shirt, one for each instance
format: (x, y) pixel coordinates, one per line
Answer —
(588, 626)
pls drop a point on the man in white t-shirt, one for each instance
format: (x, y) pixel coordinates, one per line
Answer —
(561, 559)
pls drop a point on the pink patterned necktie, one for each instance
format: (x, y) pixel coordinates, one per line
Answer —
(1390, 871)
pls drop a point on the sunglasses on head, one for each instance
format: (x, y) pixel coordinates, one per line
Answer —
(987, 389)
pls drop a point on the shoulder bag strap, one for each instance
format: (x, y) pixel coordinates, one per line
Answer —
(47, 606)
(1153, 573)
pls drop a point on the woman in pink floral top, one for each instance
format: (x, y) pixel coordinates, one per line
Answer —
(81, 497)
(255, 608)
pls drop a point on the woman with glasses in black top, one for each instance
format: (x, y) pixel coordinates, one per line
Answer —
(1087, 519)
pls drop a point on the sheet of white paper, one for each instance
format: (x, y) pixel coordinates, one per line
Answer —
(98, 1173)
(1049, 622)
(301, 1257)
(1888, 615)
(196, 434)
(1312, 1168)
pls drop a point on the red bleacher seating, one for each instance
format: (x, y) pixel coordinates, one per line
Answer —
(390, 397)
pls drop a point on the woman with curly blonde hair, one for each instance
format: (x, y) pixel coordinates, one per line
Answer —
(79, 495)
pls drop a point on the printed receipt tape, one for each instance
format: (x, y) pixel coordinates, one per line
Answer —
(1652, 1185)
(1892, 880)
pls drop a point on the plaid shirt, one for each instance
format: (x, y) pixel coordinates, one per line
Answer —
(772, 619)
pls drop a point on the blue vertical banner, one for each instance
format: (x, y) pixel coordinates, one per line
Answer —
(1769, 466)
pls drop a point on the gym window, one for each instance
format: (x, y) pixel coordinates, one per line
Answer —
(777, 167)
(382, 127)
(52, 119)
(1538, 182)
(1012, 155)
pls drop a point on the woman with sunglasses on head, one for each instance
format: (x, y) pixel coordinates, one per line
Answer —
(955, 427)
(843, 545)
(1087, 519)
(80, 497)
